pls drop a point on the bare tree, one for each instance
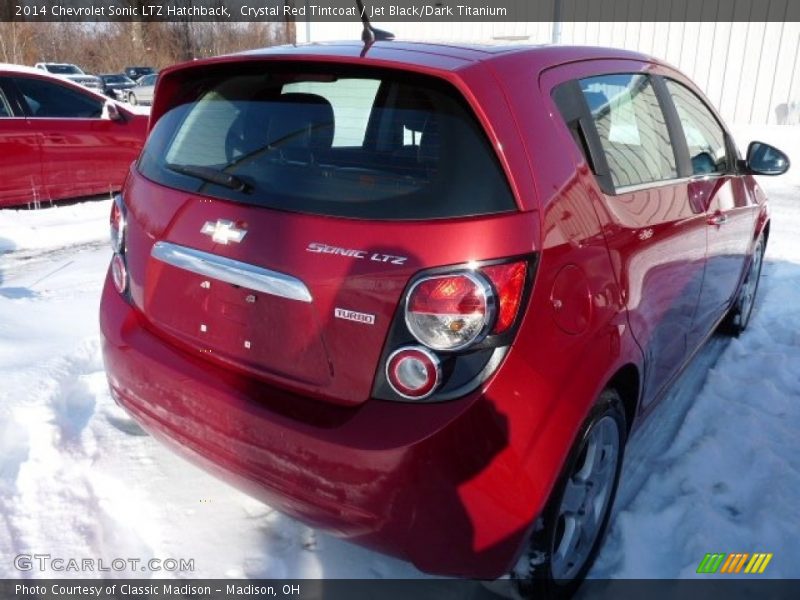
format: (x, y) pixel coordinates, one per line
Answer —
(108, 47)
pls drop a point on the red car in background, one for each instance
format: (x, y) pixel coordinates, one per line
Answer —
(60, 141)
(418, 295)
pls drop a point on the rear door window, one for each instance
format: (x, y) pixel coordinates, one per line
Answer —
(632, 128)
(343, 142)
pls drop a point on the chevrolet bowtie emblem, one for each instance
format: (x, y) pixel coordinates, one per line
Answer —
(223, 232)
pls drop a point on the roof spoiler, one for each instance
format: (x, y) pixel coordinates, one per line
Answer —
(371, 34)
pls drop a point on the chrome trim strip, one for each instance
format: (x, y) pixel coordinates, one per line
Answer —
(639, 187)
(627, 189)
(231, 271)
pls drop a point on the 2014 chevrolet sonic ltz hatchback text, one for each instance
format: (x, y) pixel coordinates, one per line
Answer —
(418, 295)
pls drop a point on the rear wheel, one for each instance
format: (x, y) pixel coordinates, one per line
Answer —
(567, 539)
(742, 310)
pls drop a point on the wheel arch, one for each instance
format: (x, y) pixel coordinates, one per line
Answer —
(627, 383)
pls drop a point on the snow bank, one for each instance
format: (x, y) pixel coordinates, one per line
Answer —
(58, 226)
(717, 467)
(78, 478)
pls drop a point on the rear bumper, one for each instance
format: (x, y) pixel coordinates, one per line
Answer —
(440, 485)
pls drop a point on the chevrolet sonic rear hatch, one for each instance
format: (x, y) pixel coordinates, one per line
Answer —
(281, 209)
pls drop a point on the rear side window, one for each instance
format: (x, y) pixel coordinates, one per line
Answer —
(632, 128)
(705, 137)
(342, 142)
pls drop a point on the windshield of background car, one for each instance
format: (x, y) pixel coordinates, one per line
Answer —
(342, 142)
(64, 70)
(116, 79)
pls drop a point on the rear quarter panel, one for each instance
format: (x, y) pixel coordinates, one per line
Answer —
(575, 334)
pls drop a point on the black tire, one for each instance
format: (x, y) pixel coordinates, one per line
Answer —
(740, 313)
(132, 99)
(538, 575)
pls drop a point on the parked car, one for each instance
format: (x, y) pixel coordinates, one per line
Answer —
(136, 73)
(142, 92)
(70, 72)
(116, 85)
(418, 296)
(59, 140)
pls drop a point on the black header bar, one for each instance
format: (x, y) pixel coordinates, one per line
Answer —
(388, 11)
(709, 587)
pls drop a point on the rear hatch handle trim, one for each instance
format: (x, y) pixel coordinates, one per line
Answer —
(231, 271)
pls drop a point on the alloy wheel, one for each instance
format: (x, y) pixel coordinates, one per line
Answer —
(747, 296)
(585, 500)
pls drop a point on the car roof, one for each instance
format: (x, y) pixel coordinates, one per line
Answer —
(449, 56)
(7, 68)
(22, 69)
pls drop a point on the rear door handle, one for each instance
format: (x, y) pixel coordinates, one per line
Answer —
(717, 219)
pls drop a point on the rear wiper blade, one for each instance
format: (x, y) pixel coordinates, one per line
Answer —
(211, 175)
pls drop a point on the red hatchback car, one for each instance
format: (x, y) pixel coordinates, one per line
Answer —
(59, 140)
(417, 295)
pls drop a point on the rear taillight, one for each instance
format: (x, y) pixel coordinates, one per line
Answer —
(119, 273)
(450, 312)
(465, 318)
(117, 224)
(508, 281)
(413, 372)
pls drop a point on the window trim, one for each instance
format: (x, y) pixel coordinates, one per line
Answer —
(677, 138)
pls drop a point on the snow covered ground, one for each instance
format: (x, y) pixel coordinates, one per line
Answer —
(716, 470)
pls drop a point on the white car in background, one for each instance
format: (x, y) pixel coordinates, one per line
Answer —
(72, 73)
(142, 92)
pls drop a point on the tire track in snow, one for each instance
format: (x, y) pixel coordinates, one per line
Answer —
(728, 477)
(50, 486)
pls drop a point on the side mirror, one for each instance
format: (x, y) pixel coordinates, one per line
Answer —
(763, 159)
(112, 113)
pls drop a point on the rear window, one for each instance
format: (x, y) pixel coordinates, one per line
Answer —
(116, 79)
(350, 142)
(64, 69)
